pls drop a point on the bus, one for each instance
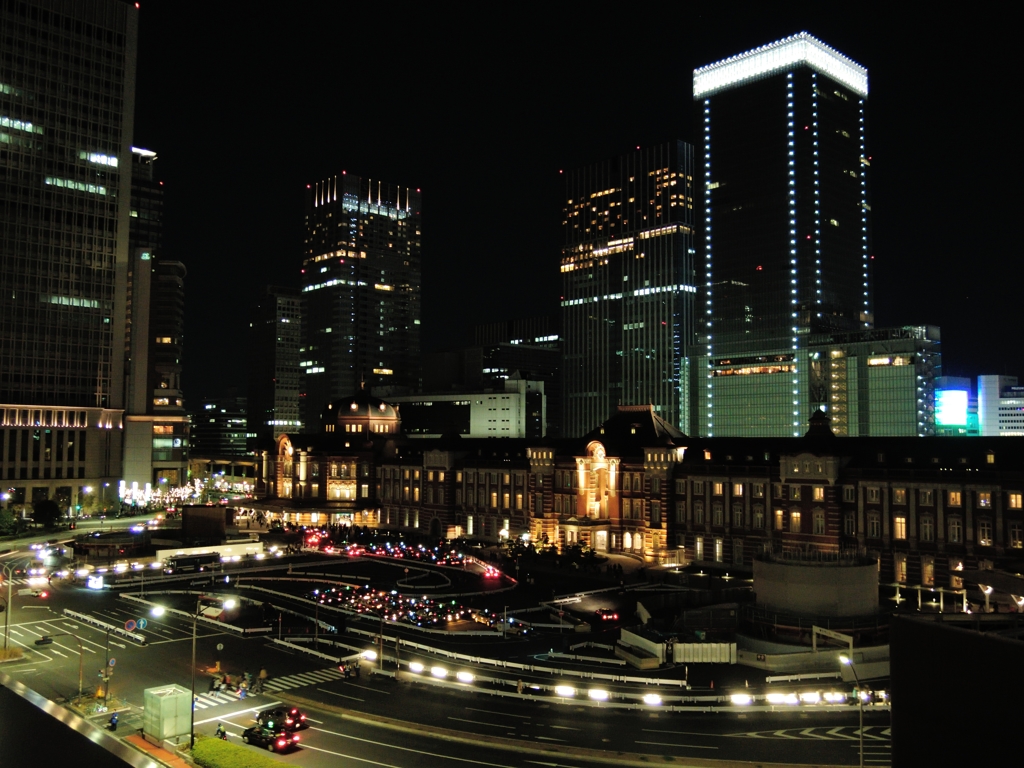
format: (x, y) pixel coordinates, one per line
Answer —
(191, 563)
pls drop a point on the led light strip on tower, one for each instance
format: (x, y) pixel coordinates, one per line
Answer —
(781, 55)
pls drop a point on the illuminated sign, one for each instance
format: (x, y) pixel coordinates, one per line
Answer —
(950, 408)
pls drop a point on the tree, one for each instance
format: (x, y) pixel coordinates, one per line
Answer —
(8, 523)
(46, 513)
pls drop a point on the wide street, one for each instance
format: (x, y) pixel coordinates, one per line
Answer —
(420, 719)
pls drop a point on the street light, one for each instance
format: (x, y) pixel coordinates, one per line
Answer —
(9, 575)
(159, 611)
(844, 659)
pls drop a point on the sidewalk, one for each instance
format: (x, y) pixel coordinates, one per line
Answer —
(157, 753)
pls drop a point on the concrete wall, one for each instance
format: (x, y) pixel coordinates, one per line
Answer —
(817, 589)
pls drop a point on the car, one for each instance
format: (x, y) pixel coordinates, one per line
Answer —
(289, 718)
(607, 614)
(274, 739)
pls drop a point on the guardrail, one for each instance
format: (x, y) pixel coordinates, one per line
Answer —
(112, 628)
(204, 619)
(803, 676)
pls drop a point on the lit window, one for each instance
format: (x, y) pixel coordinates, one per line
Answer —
(927, 571)
(718, 488)
(794, 522)
(899, 495)
(954, 498)
(737, 489)
(1015, 500)
(984, 499)
(779, 520)
(901, 567)
(698, 548)
(819, 493)
(899, 527)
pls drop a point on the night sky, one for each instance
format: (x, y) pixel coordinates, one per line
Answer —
(481, 109)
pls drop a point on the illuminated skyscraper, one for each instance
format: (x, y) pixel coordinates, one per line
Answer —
(67, 96)
(361, 288)
(628, 288)
(786, 227)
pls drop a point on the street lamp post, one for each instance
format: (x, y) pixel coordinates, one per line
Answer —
(9, 575)
(159, 611)
(843, 658)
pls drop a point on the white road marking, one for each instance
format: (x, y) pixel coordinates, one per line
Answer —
(564, 728)
(548, 738)
(348, 757)
(476, 722)
(341, 695)
(503, 714)
(668, 744)
(236, 714)
(395, 746)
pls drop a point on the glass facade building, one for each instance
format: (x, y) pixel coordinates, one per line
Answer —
(628, 285)
(361, 287)
(786, 217)
(67, 92)
(275, 335)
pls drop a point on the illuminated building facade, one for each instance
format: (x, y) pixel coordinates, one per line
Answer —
(926, 510)
(67, 96)
(956, 407)
(361, 287)
(628, 285)
(275, 335)
(786, 215)
(1000, 406)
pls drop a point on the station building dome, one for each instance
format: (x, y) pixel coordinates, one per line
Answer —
(361, 414)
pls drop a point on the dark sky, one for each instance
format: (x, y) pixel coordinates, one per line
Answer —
(481, 109)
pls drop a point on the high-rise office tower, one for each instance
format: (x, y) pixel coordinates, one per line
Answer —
(628, 285)
(67, 93)
(361, 286)
(275, 335)
(785, 218)
(156, 428)
(788, 323)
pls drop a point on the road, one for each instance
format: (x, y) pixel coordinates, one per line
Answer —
(457, 724)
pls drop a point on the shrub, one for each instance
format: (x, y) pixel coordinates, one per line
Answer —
(216, 753)
(11, 653)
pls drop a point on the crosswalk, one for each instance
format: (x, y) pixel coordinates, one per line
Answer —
(283, 683)
(303, 679)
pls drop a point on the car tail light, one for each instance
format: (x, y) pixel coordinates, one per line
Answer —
(289, 721)
(281, 742)
(295, 737)
(302, 717)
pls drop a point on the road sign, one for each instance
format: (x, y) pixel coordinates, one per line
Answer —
(111, 662)
(220, 646)
(142, 623)
(130, 625)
